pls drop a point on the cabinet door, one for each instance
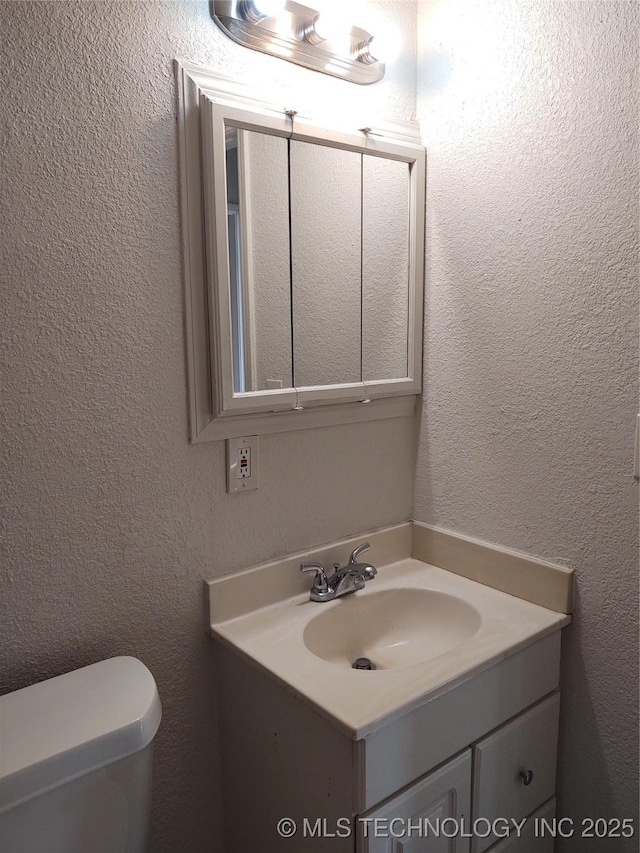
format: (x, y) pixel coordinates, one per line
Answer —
(534, 837)
(425, 818)
(514, 769)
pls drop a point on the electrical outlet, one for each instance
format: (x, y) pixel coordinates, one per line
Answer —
(242, 463)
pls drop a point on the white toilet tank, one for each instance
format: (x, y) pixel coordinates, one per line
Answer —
(75, 761)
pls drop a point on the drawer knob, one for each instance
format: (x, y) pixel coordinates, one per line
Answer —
(526, 776)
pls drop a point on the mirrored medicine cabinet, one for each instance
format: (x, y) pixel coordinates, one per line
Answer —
(304, 264)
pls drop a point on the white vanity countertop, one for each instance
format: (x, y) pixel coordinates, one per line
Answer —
(358, 703)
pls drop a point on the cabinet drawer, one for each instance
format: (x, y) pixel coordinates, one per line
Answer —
(533, 838)
(526, 745)
(423, 818)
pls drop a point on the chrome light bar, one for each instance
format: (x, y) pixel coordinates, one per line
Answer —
(300, 34)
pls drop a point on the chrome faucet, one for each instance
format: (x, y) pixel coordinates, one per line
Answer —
(344, 579)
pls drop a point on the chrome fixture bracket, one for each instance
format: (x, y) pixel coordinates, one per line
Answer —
(290, 35)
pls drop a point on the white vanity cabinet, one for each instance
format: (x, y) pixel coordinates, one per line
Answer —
(453, 810)
(459, 755)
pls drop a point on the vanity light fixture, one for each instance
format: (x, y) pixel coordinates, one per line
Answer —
(257, 10)
(387, 45)
(364, 53)
(310, 37)
(313, 32)
(332, 28)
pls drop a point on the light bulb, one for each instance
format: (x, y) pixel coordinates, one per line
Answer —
(268, 8)
(386, 46)
(329, 26)
(257, 10)
(332, 27)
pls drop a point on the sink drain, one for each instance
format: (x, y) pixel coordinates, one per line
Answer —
(363, 663)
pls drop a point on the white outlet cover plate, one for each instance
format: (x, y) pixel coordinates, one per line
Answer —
(236, 482)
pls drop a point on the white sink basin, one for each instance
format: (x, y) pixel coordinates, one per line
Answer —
(394, 629)
(425, 629)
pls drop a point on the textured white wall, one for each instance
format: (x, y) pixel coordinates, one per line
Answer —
(111, 520)
(530, 115)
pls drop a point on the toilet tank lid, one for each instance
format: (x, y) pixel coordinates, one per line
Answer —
(62, 728)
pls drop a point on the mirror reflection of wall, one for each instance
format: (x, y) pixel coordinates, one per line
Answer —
(261, 295)
(326, 227)
(234, 236)
(268, 257)
(385, 268)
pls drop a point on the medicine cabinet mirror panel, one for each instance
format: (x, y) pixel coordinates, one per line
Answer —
(313, 262)
(258, 231)
(326, 253)
(385, 268)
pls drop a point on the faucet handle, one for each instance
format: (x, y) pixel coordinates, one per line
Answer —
(357, 551)
(320, 580)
